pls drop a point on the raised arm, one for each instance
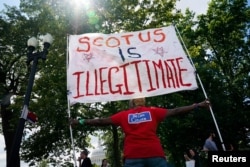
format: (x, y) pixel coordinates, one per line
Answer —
(185, 109)
(94, 122)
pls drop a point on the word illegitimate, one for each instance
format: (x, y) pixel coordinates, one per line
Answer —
(148, 76)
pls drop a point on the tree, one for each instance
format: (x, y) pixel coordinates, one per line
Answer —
(13, 69)
(224, 32)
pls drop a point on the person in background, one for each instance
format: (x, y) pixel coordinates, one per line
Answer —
(209, 144)
(142, 147)
(230, 147)
(104, 163)
(84, 160)
(190, 155)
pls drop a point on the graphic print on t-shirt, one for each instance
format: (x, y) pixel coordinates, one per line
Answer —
(139, 117)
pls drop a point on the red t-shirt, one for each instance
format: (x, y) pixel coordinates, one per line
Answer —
(140, 125)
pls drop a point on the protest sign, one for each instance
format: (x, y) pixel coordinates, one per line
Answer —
(121, 66)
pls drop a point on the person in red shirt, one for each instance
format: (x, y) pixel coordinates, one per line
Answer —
(142, 147)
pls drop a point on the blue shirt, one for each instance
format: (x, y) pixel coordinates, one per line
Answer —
(210, 145)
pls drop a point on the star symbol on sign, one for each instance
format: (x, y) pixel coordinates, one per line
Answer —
(159, 51)
(88, 57)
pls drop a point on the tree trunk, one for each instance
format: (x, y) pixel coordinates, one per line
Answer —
(8, 128)
(116, 152)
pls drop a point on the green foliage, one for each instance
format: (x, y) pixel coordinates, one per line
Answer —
(224, 30)
(43, 163)
(217, 42)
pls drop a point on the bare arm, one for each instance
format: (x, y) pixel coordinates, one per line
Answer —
(185, 109)
(99, 122)
(94, 122)
(187, 157)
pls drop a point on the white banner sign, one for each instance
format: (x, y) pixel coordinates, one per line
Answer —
(111, 67)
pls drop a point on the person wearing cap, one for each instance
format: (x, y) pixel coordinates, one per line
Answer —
(84, 160)
(142, 147)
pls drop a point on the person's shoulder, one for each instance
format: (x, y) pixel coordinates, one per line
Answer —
(149, 108)
(88, 159)
(155, 108)
(209, 140)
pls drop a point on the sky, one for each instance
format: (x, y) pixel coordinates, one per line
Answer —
(198, 6)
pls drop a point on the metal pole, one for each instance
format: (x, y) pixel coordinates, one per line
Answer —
(70, 128)
(14, 159)
(212, 113)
